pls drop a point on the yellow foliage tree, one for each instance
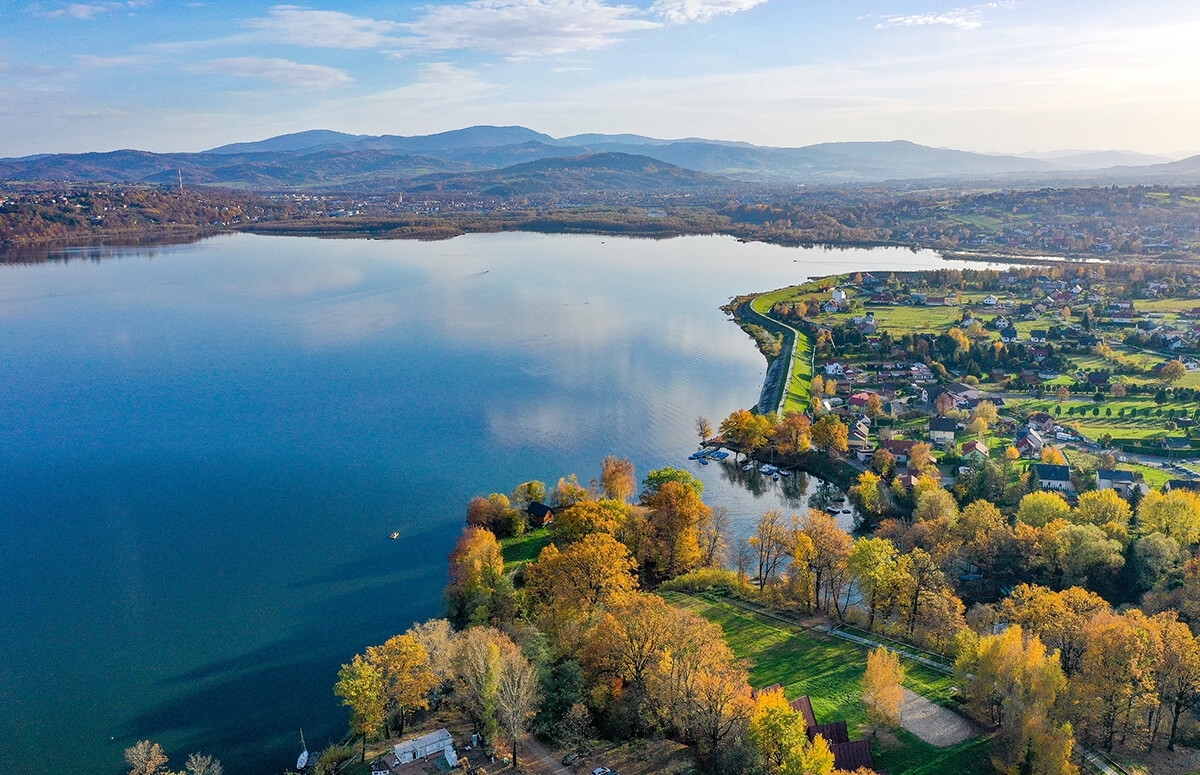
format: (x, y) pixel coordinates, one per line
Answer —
(883, 687)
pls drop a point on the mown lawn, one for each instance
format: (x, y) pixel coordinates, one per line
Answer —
(829, 671)
(519, 550)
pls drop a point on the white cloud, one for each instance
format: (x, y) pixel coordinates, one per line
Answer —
(685, 11)
(526, 28)
(92, 10)
(324, 29)
(281, 71)
(963, 20)
(89, 60)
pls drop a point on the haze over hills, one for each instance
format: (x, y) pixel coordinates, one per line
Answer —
(480, 158)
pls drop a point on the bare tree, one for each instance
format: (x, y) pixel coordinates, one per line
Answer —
(516, 696)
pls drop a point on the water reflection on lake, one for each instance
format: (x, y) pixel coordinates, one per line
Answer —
(204, 449)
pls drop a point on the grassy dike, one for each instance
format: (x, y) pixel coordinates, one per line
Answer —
(798, 387)
(830, 671)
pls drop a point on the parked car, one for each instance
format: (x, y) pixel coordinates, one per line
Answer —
(601, 771)
(571, 757)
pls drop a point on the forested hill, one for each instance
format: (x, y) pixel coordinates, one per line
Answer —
(612, 173)
(325, 161)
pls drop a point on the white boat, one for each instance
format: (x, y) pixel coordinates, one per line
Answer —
(302, 762)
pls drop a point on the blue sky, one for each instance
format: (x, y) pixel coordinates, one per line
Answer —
(1007, 76)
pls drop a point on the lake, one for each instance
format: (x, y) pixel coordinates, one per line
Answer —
(204, 449)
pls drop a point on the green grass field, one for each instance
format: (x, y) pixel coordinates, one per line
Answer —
(519, 550)
(830, 670)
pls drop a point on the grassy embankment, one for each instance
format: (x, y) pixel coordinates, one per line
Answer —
(830, 671)
(797, 399)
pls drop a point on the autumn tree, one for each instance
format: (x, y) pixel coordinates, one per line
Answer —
(704, 429)
(567, 492)
(476, 576)
(869, 495)
(920, 458)
(778, 736)
(566, 588)
(746, 430)
(360, 685)
(874, 407)
(145, 758)
(1171, 372)
(1177, 675)
(1062, 393)
(1052, 455)
(587, 517)
(770, 543)
(986, 411)
(478, 666)
(1100, 508)
(872, 565)
(883, 687)
(655, 480)
(674, 516)
(1057, 618)
(440, 642)
(831, 434)
(1011, 681)
(403, 664)
(793, 435)
(1175, 514)
(624, 648)
(831, 547)
(617, 477)
(714, 534)
(943, 404)
(529, 492)
(1041, 507)
(1114, 682)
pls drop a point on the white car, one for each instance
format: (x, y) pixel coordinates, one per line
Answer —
(601, 771)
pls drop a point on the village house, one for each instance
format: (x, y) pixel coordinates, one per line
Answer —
(975, 451)
(942, 430)
(990, 300)
(1009, 335)
(435, 745)
(1038, 335)
(1029, 443)
(1120, 481)
(1052, 477)
(899, 449)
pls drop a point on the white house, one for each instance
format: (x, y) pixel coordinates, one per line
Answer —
(1052, 477)
(990, 300)
(432, 745)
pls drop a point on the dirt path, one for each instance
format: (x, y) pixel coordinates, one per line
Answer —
(932, 723)
(546, 764)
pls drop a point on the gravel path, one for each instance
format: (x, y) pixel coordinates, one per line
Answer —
(932, 723)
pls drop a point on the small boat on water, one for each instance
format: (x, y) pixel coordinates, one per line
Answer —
(784, 472)
(395, 535)
(703, 461)
(302, 762)
(720, 454)
(697, 454)
(748, 467)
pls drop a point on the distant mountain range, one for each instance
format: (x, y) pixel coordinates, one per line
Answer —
(504, 161)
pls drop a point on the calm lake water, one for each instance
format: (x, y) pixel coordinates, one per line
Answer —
(203, 449)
